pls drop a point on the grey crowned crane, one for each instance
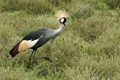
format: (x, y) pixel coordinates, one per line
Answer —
(39, 37)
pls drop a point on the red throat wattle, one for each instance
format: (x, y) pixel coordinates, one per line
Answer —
(60, 23)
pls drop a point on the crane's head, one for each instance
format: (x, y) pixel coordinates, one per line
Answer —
(62, 15)
(62, 21)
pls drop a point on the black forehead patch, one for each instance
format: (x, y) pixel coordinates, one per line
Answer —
(65, 19)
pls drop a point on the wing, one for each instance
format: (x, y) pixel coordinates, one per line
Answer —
(35, 34)
(31, 39)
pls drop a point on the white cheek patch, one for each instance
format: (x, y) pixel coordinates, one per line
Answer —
(62, 20)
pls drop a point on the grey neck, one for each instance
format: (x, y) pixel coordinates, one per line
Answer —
(57, 31)
(60, 27)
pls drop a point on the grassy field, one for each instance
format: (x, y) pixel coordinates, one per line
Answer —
(87, 49)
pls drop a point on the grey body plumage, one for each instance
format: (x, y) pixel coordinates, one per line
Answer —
(44, 35)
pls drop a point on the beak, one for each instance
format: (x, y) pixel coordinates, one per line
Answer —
(64, 24)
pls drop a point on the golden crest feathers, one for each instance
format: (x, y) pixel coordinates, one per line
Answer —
(61, 13)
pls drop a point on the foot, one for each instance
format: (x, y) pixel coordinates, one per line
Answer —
(30, 59)
(47, 58)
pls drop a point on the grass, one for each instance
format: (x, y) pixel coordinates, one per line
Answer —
(87, 49)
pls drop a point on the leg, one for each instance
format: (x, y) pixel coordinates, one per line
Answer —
(34, 52)
(34, 58)
(31, 55)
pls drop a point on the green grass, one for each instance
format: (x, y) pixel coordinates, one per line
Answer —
(87, 49)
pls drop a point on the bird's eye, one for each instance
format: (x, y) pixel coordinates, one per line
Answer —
(62, 20)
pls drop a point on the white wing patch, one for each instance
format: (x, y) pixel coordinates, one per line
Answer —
(32, 43)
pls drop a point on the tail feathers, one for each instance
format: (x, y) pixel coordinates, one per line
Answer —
(14, 51)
